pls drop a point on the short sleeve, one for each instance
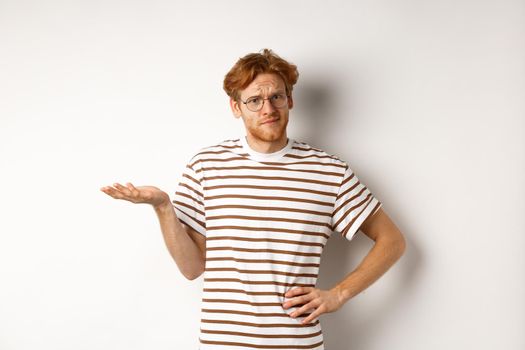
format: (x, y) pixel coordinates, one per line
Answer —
(353, 204)
(188, 201)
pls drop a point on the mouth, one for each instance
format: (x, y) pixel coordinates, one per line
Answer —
(270, 121)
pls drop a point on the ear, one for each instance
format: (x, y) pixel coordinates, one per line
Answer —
(236, 108)
(290, 102)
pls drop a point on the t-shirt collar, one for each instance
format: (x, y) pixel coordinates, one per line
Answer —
(265, 156)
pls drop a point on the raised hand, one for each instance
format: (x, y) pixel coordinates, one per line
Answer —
(142, 194)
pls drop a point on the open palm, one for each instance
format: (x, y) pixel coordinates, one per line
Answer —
(141, 194)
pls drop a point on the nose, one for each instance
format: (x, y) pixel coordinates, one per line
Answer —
(267, 107)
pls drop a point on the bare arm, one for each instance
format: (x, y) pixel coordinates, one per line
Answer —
(186, 246)
(388, 248)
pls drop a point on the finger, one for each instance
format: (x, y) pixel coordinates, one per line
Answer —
(297, 291)
(303, 309)
(113, 192)
(293, 301)
(132, 188)
(300, 300)
(313, 316)
(121, 188)
(292, 292)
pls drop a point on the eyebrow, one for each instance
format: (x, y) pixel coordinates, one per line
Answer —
(278, 92)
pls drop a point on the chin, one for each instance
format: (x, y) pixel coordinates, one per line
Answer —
(268, 137)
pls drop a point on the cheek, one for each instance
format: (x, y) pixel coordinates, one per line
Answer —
(250, 122)
(254, 119)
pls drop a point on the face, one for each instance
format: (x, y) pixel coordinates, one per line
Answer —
(269, 123)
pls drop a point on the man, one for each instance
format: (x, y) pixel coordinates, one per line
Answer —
(254, 214)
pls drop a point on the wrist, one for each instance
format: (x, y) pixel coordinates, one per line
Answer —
(163, 207)
(342, 294)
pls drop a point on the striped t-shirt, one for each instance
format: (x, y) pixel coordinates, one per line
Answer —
(266, 218)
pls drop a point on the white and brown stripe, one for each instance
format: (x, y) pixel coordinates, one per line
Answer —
(266, 219)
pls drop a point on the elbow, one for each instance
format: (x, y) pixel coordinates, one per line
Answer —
(191, 277)
(395, 246)
(400, 245)
(194, 275)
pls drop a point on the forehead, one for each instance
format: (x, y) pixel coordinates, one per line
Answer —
(264, 82)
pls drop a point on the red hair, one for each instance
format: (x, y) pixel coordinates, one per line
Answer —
(248, 67)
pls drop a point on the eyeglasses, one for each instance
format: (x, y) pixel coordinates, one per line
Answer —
(255, 103)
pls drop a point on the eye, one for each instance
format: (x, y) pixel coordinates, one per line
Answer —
(277, 97)
(254, 100)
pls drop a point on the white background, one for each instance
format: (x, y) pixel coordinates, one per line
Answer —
(424, 99)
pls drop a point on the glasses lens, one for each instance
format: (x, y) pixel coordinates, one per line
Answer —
(278, 100)
(254, 104)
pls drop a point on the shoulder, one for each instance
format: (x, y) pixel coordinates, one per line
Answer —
(216, 150)
(223, 145)
(306, 150)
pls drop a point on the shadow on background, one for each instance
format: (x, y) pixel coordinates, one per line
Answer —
(317, 105)
(347, 328)
(315, 110)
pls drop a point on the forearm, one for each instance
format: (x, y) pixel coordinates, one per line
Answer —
(379, 260)
(181, 246)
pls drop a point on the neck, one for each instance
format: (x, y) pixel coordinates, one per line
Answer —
(263, 146)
